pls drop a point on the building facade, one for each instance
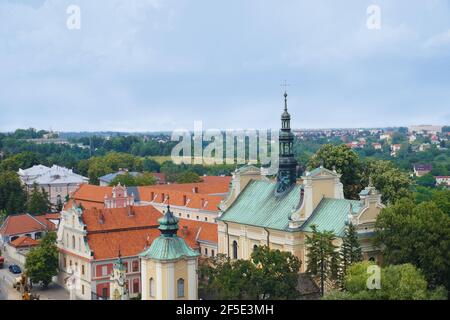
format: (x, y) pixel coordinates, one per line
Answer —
(279, 213)
(58, 182)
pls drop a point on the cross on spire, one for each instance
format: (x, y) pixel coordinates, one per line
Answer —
(285, 85)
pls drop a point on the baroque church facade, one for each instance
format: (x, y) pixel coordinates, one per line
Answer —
(279, 212)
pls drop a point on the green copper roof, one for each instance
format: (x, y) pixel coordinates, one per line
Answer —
(257, 205)
(332, 215)
(168, 248)
(168, 224)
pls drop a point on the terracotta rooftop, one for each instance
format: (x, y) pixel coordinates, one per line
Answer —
(109, 230)
(204, 195)
(24, 223)
(23, 242)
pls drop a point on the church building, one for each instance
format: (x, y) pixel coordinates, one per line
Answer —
(280, 212)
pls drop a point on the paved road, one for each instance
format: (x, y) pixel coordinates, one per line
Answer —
(7, 292)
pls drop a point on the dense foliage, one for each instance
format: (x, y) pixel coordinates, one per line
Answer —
(397, 282)
(41, 264)
(270, 274)
(417, 234)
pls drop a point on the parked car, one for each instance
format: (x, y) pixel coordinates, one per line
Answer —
(2, 262)
(14, 268)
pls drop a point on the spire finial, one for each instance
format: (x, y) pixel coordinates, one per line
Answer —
(285, 85)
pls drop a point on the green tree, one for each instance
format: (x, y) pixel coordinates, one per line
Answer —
(397, 282)
(346, 163)
(279, 273)
(21, 160)
(226, 279)
(322, 256)
(426, 181)
(188, 177)
(442, 199)
(125, 179)
(12, 195)
(350, 252)
(145, 179)
(42, 262)
(389, 180)
(38, 202)
(270, 274)
(150, 165)
(416, 234)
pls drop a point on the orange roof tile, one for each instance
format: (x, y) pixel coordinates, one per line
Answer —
(23, 223)
(130, 242)
(120, 218)
(177, 198)
(131, 234)
(24, 241)
(44, 220)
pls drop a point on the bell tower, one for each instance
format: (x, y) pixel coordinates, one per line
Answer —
(169, 266)
(287, 168)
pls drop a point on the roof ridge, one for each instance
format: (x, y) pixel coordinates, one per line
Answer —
(44, 225)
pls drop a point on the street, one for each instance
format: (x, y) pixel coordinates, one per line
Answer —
(7, 292)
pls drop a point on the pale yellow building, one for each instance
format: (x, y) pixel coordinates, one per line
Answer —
(169, 266)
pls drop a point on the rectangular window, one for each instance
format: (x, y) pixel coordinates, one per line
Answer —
(65, 262)
(125, 265)
(82, 269)
(104, 270)
(136, 285)
(135, 266)
(82, 289)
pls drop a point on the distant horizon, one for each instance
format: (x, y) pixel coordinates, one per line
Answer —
(170, 131)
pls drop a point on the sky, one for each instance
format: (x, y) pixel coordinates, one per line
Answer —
(153, 65)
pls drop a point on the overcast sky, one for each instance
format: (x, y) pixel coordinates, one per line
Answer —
(149, 65)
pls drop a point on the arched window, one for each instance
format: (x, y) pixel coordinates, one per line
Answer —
(255, 247)
(180, 287)
(235, 250)
(372, 259)
(73, 242)
(212, 253)
(152, 287)
(206, 251)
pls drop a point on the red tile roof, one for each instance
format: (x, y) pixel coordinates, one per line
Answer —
(120, 218)
(23, 242)
(23, 223)
(109, 230)
(180, 198)
(45, 220)
(204, 195)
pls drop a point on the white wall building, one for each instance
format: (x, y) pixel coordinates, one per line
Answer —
(57, 181)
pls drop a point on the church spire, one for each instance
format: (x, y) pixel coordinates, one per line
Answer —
(287, 170)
